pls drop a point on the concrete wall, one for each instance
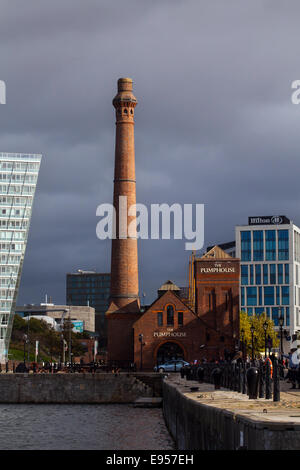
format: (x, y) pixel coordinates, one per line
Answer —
(75, 388)
(197, 426)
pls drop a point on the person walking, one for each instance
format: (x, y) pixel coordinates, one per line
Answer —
(293, 372)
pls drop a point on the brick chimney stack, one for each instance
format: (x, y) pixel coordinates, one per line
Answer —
(124, 307)
(124, 258)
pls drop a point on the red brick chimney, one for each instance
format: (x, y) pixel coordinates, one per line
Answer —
(124, 300)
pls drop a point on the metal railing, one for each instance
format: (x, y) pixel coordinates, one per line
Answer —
(258, 379)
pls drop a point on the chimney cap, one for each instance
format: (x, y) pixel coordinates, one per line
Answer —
(124, 84)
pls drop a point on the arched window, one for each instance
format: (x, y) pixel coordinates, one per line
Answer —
(170, 315)
(125, 111)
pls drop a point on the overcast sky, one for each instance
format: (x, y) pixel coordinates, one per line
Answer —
(214, 123)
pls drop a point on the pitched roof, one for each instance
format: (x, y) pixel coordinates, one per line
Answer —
(216, 252)
(169, 285)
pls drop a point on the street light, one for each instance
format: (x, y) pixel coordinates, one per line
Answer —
(265, 327)
(281, 322)
(141, 337)
(242, 338)
(25, 341)
(252, 329)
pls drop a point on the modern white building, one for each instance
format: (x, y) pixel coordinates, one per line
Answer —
(269, 250)
(18, 179)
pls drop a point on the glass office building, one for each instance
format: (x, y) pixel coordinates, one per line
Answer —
(269, 250)
(93, 289)
(18, 179)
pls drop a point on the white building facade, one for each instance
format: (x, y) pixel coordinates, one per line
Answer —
(18, 179)
(269, 250)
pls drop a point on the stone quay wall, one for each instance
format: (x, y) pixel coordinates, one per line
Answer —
(224, 420)
(78, 388)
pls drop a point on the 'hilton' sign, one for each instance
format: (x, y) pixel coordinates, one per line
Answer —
(268, 220)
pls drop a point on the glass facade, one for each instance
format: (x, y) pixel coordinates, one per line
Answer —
(258, 245)
(270, 245)
(93, 289)
(246, 246)
(18, 179)
(283, 244)
(265, 272)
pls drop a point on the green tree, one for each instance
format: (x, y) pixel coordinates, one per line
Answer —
(257, 321)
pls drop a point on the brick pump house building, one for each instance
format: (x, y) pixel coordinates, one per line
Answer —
(201, 321)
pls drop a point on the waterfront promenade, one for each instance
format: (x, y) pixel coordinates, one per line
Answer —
(200, 417)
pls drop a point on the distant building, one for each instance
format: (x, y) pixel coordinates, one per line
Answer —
(269, 249)
(228, 247)
(93, 289)
(82, 317)
(18, 179)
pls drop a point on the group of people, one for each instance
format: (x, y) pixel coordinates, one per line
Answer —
(293, 361)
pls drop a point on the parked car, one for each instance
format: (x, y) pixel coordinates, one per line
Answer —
(169, 366)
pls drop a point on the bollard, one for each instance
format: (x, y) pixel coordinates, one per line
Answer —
(182, 372)
(200, 374)
(188, 373)
(6, 367)
(252, 381)
(276, 383)
(268, 381)
(235, 377)
(229, 376)
(244, 389)
(261, 381)
(239, 376)
(216, 376)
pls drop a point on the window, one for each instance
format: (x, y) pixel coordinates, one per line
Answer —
(271, 245)
(285, 295)
(286, 274)
(277, 295)
(242, 295)
(170, 315)
(266, 277)
(251, 274)
(280, 273)
(257, 274)
(259, 310)
(180, 318)
(246, 246)
(272, 273)
(275, 315)
(260, 296)
(159, 319)
(287, 316)
(251, 296)
(258, 247)
(283, 244)
(244, 274)
(269, 295)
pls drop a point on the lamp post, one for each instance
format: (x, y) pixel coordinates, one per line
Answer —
(265, 327)
(25, 341)
(281, 322)
(28, 318)
(252, 329)
(242, 338)
(141, 337)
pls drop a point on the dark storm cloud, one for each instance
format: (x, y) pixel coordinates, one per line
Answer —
(214, 123)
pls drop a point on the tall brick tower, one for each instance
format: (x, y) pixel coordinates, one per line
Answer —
(124, 301)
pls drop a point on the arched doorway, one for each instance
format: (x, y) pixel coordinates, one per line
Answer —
(168, 351)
